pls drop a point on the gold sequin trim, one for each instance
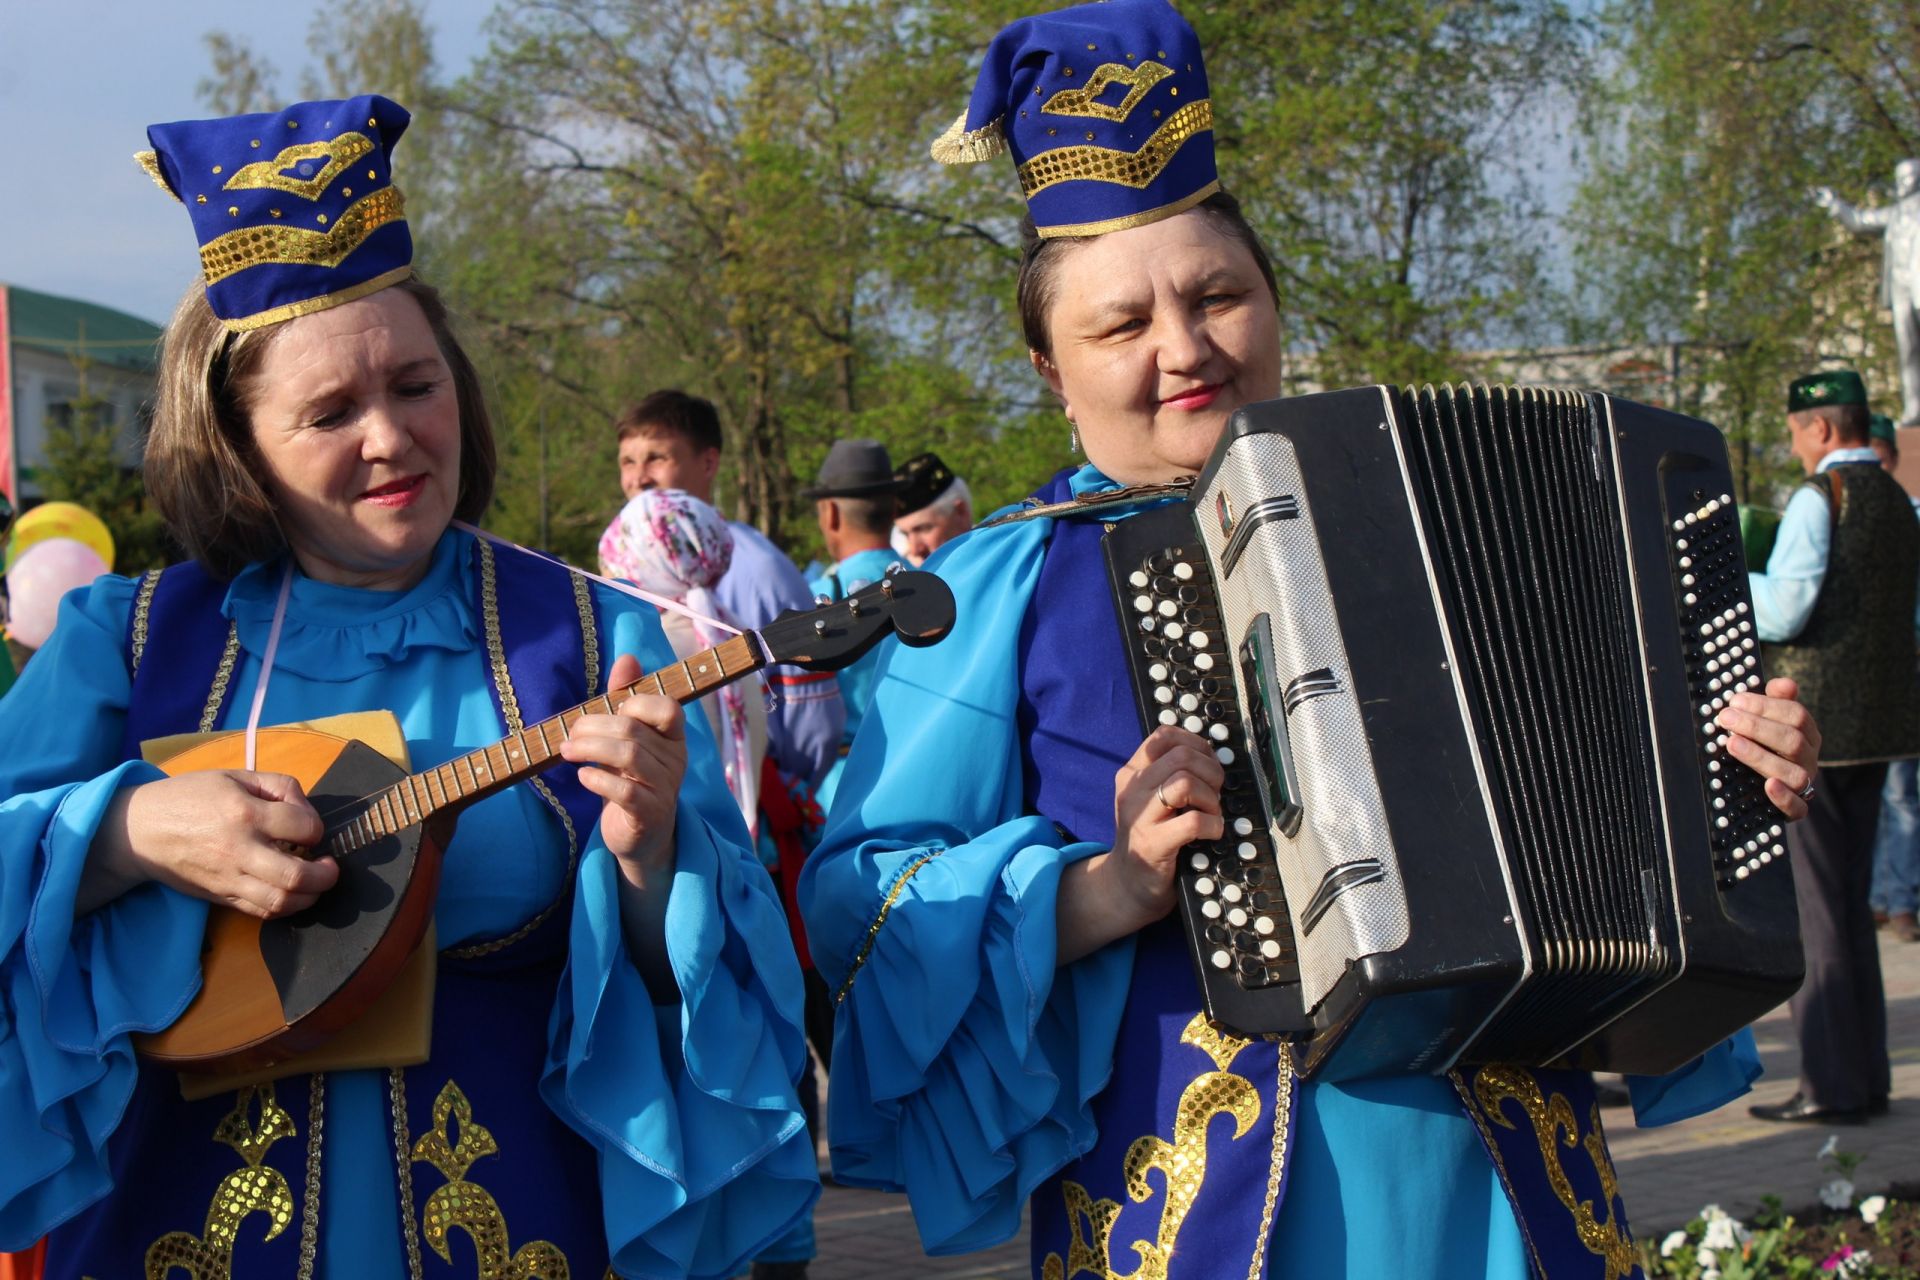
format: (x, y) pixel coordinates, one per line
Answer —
(510, 710)
(1133, 219)
(142, 612)
(268, 175)
(469, 1207)
(149, 163)
(1554, 1126)
(223, 674)
(873, 930)
(1135, 169)
(255, 1124)
(589, 633)
(1276, 1171)
(403, 1168)
(310, 1205)
(1181, 1164)
(960, 145)
(236, 251)
(1084, 101)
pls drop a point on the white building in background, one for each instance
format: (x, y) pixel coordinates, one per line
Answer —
(48, 346)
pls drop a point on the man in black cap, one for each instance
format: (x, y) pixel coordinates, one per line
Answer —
(934, 507)
(853, 500)
(1835, 611)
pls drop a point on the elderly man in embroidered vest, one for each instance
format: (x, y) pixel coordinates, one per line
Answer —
(1836, 610)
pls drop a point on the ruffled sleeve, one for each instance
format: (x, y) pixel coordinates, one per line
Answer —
(1710, 1081)
(964, 1061)
(73, 991)
(704, 1155)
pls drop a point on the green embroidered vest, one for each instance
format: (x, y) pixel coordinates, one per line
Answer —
(1854, 660)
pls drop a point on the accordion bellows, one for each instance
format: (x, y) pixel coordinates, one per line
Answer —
(1478, 638)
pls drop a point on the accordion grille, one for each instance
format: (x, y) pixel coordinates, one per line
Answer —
(1519, 501)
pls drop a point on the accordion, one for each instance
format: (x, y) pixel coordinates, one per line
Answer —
(1460, 651)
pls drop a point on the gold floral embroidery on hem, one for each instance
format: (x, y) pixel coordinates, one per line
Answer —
(1182, 1165)
(470, 1207)
(255, 1124)
(1555, 1126)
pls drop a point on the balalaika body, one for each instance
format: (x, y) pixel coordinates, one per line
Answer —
(1472, 644)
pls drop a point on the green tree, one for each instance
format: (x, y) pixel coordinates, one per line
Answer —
(83, 465)
(1707, 127)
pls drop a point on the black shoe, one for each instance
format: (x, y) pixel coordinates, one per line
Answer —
(779, 1271)
(1798, 1110)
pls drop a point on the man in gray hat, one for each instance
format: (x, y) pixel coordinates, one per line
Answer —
(853, 499)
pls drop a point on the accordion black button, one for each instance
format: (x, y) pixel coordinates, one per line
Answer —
(1216, 933)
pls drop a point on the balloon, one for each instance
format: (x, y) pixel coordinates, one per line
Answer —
(44, 572)
(59, 520)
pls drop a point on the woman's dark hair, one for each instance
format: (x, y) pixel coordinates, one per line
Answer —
(201, 467)
(1038, 259)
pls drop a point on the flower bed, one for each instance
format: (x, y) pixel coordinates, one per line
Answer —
(1872, 1238)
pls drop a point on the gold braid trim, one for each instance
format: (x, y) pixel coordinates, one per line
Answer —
(1136, 169)
(873, 930)
(142, 610)
(235, 251)
(1282, 1116)
(310, 1208)
(960, 145)
(589, 634)
(149, 163)
(217, 695)
(510, 709)
(269, 175)
(403, 1167)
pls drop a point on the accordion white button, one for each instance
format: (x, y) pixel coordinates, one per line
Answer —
(1168, 609)
(1143, 604)
(1189, 702)
(1210, 909)
(1247, 851)
(1169, 716)
(1200, 862)
(1203, 886)
(1270, 949)
(1200, 640)
(1237, 918)
(1221, 960)
(1218, 732)
(1691, 598)
(1163, 695)
(1774, 831)
(1158, 673)
(1232, 892)
(1243, 826)
(1204, 661)
(1183, 571)
(1137, 579)
(1686, 580)
(1174, 631)
(1224, 755)
(1263, 925)
(1679, 542)
(1193, 724)
(1741, 607)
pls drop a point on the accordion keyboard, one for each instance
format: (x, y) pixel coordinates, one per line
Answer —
(1182, 665)
(1722, 659)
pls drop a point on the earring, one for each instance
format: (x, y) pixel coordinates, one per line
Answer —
(1073, 436)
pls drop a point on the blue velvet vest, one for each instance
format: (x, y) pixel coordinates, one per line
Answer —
(1195, 1125)
(230, 1185)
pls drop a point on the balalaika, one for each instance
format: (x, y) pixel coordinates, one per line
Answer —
(1461, 652)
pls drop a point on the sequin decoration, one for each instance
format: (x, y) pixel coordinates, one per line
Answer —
(255, 1124)
(1181, 1164)
(1084, 101)
(271, 175)
(1555, 1126)
(295, 246)
(1135, 169)
(470, 1207)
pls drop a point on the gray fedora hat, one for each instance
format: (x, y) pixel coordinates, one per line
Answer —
(854, 469)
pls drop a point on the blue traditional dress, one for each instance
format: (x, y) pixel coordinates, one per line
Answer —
(973, 1072)
(564, 1123)
(856, 679)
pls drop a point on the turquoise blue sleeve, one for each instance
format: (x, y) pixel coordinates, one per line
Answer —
(964, 1060)
(72, 992)
(1784, 596)
(704, 1155)
(1711, 1080)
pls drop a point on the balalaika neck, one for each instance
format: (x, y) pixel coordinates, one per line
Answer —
(445, 790)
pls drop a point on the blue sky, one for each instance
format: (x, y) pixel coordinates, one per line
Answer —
(80, 80)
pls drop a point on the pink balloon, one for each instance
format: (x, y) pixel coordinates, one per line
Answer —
(44, 572)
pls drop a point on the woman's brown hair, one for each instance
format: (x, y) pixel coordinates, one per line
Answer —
(1039, 258)
(201, 468)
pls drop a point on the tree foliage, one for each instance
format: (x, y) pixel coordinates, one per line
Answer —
(1709, 124)
(83, 466)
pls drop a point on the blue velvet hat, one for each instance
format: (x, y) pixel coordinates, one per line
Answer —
(295, 211)
(1105, 109)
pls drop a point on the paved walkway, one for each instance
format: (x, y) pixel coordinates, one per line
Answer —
(1666, 1175)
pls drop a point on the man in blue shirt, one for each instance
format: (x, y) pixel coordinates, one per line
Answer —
(1835, 611)
(853, 499)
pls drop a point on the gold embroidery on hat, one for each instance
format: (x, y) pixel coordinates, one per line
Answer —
(295, 246)
(1084, 101)
(1135, 169)
(960, 145)
(267, 175)
(149, 163)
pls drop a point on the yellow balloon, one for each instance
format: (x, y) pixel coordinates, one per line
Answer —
(60, 520)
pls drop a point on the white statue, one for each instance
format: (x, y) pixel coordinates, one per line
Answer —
(1899, 223)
